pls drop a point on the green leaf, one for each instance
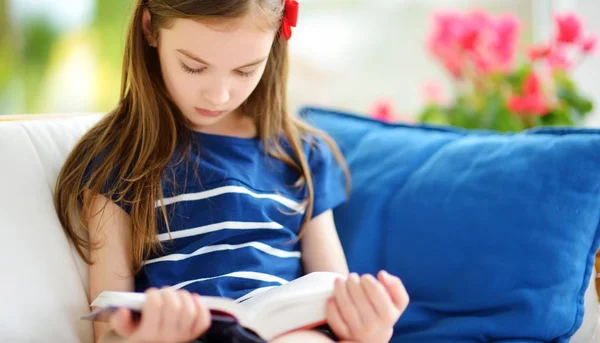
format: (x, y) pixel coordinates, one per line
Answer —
(506, 121)
(574, 100)
(517, 77)
(562, 80)
(558, 117)
(433, 114)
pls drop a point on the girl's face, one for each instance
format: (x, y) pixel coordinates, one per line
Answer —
(211, 69)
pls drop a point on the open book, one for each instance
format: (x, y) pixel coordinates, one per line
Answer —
(299, 304)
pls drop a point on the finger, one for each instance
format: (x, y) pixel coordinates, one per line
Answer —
(335, 320)
(188, 312)
(376, 297)
(202, 320)
(122, 323)
(170, 314)
(395, 289)
(151, 317)
(360, 299)
(380, 299)
(346, 306)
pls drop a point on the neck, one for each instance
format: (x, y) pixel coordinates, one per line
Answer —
(235, 124)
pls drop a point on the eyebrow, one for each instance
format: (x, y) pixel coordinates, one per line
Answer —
(198, 59)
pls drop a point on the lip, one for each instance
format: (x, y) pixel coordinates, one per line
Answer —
(208, 113)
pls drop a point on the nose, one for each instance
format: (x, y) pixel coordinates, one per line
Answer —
(217, 93)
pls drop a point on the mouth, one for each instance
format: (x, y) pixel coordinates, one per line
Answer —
(208, 113)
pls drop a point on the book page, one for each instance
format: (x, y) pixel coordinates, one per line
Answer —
(300, 303)
(311, 286)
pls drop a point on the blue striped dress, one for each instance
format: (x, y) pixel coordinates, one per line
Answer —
(234, 222)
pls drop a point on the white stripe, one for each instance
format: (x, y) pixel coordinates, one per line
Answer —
(253, 293)
(294, 205)
(220, 247)
(243, 275)
(216, 227)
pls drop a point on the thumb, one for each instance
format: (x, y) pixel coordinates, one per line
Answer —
(122, 322)
(395, 289)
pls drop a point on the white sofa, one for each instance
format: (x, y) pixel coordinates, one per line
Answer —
(44, 282)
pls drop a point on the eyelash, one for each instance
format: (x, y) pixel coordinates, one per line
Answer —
(198, 71)
(248, 74)
(190, 70)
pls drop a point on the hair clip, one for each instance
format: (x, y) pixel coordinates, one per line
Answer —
(290, 18)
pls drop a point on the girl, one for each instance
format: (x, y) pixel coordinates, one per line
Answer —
(202, 181)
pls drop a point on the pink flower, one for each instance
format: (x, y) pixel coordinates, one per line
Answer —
(569, 27)
(531, 85)
(468, 38)
(504, 44)
(447, 26)
(589, 44)
(445, 41)
(558, 59)
(454, 63)
(480, 19)
(482, 62)
(517, 104)
(472, 29)
(528, 105)
(532, 101)
(539, 52)
(383, 110)
(433, 93)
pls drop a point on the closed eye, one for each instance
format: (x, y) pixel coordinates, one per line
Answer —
(245, 74)
(191, 70)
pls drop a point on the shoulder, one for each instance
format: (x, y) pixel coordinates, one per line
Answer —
(100, 163)
(314, 147)
(318, 150)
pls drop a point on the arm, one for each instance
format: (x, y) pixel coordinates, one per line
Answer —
(321, 247)
(167, 315)
(111, 268)
(365, 308)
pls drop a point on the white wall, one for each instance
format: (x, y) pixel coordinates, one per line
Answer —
(349, 56)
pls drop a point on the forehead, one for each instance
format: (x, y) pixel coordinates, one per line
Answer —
(230, 43)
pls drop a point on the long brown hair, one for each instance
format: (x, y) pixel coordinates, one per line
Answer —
(140, 136)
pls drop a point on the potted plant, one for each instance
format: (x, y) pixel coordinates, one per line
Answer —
(492, 91)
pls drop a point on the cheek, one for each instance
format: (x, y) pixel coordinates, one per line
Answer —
(179, 84)
(247, 88)
(250, 84)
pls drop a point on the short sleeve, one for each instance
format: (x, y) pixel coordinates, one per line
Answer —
(110, 184)
(328, 178)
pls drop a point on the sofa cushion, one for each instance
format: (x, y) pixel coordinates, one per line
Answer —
(493, 234)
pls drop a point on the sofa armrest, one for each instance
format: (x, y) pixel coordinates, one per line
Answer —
(598, 274)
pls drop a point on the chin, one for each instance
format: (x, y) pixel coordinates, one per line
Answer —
(198, 121)
(203, 123)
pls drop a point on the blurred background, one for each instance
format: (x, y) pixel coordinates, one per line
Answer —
(65, 55)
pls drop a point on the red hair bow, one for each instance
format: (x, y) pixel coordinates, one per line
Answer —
(290, 18)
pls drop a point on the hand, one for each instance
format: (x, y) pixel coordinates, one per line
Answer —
(167, 316)
(365, 309)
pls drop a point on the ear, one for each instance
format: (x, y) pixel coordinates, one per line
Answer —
(147, 27)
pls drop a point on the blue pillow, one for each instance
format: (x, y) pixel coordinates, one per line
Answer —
(493, 235)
